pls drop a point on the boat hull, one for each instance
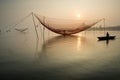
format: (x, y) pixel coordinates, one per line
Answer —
(106, 38)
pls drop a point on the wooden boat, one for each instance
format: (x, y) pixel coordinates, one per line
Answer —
(106, 38)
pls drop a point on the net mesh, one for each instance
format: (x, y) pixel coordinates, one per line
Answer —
(65, 26)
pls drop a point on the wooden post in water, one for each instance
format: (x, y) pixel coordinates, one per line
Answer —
(104, 25)
(35, 26)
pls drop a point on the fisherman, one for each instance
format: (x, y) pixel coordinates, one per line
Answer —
(107, 34)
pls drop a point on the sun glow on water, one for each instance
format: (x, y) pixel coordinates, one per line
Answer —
(78, 43)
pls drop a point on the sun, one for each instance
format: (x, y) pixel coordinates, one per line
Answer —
(78, 15)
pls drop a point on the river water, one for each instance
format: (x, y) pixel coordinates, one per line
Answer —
(55, 57)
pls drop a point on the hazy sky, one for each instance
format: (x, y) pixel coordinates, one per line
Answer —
(88, 9)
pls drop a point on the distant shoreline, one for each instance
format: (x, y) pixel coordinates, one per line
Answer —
(112, 28)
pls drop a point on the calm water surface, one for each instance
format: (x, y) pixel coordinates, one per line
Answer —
(76, 57)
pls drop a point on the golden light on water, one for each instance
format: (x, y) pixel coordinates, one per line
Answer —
(78, 43)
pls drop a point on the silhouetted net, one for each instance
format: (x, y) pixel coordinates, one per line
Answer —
(65, 26)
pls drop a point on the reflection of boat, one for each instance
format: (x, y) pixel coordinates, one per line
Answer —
(107, 38)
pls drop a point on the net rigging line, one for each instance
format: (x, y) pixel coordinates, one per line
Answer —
(65, 26)
(35, 26)
(17, 23)
(20, 21)
(59, 26)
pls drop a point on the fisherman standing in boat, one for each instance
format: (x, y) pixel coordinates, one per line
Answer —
(107, 34)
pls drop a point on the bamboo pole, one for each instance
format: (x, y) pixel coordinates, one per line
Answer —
(104, 25)
(35, 26)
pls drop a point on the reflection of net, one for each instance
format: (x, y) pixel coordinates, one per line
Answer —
(65, 27)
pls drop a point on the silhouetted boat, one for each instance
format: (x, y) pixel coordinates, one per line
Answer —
(106, 38)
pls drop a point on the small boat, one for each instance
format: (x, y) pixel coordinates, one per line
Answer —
(106, 38)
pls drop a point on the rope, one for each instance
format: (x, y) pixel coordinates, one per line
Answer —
(104, 24)
(19, 22)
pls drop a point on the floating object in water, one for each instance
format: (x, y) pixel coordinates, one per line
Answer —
(65, 26)
(21, 30)
(106, 38)
(8, 31)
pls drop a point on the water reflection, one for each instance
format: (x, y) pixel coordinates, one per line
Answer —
(106, 41)
(59, 58)
(74, 57)
(65, 42)
(62, 47)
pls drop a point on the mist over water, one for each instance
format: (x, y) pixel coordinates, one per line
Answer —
(79, 56)
(55, 57)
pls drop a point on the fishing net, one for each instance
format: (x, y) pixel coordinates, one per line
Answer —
(65, 26)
